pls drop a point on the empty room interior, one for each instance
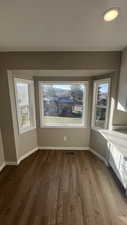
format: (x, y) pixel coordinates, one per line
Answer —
(63, 112)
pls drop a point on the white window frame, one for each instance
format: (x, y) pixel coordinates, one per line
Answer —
(85, 102)
(96, 83)
(31, 96)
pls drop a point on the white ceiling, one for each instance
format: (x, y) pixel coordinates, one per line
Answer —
(61, 25)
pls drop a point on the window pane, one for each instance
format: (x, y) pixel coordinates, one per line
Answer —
(100, 117)
(63, 103)
(23, 105)
(102, 94)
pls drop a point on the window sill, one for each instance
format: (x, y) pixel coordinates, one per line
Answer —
(99, 129)
(23, 131)
(62, 126)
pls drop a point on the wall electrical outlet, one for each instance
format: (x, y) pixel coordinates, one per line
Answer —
(65, 138)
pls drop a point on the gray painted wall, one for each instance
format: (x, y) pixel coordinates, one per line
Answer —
(2, 160)
(47, 61)
(61, 60)
(6, 119)
(119, 117)
(122, 96)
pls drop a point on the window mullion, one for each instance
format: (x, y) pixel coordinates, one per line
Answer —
(101, 106)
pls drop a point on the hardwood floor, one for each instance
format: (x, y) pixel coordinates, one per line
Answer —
(55, 188)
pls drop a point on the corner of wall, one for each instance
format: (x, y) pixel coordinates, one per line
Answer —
(6, 118)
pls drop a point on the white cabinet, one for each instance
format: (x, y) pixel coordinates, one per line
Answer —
(118, 162)
(122, 96)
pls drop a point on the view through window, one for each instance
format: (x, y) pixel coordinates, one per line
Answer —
(25, 105)
(62, 104)
(101, 102)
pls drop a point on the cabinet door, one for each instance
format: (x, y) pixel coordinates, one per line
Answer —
(114, 159)
(123, 171)
(119, 165)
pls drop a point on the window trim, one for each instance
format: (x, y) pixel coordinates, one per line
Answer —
(31, 102)
(95, 85)
(85, 101)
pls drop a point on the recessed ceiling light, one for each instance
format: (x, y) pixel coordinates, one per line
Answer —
(111, 14)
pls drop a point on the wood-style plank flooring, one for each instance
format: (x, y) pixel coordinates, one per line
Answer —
(55, 188)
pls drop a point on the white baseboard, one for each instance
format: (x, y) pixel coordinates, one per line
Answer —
(99, 156)
(21, 158)
(2, 166)
(26, 155)
(62, 148)
(53, 148)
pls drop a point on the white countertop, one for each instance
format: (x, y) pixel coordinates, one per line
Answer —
(116, 138)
